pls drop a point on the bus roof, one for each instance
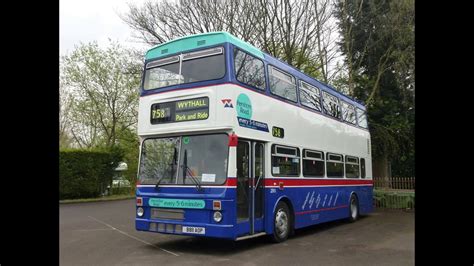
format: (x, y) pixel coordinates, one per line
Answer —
(198, 41)
(212, 38)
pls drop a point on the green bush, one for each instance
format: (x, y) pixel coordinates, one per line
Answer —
(121, 191)
(394, 199)
(86, 173)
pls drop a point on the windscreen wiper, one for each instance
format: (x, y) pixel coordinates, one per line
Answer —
(187, 172)
(158, 183)
(196, 181)
(171, 171)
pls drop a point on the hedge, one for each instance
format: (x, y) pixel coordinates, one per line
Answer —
(85, 173)
(392, 199)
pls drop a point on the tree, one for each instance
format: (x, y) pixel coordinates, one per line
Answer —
(103, 90)
(129, 143)
(298, 32)
(378, 45)
(65, 101)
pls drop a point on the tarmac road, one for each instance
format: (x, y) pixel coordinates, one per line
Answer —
(103, 233)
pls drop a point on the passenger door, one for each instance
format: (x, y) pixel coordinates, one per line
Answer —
(250, 187)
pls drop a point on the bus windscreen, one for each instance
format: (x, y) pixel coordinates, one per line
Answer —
(179, 160)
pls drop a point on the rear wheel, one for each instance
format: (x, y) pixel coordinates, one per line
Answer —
(281, 222)
(353, 208)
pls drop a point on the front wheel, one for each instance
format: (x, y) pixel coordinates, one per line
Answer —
(353, 209)
(281, 222)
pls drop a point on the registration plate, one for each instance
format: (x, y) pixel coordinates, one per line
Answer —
(194, 230)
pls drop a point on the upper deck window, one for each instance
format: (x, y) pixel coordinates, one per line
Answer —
(310, 96)
(361, 118)
(331, 105)
(282, 84)
(249, 69)
(348, 112)
(186, 68)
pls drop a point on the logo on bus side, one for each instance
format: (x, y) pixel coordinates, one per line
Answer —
(244, 114)
(244, 106)
(227, 103)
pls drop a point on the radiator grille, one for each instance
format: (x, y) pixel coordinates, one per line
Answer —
(167, 214)
(168, 228)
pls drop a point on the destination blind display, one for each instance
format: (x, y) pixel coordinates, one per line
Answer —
(179, 111)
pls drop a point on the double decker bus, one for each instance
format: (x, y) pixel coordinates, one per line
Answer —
(236, 144)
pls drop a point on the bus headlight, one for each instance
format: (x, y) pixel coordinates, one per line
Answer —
(217, 216)
(140, 211)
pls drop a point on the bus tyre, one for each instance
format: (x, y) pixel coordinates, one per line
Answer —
(281, 222)
(353, 209)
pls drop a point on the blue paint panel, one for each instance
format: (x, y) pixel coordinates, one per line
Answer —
(316, 213)
(252, 124)
(193, 217)
(228, 228)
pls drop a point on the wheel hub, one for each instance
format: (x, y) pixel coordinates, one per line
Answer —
(281, 223)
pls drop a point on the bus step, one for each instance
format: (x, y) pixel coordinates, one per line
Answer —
(250, 236)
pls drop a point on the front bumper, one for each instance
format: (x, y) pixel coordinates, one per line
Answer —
(175, 227)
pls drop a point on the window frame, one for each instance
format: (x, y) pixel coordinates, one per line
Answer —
(357, 118)
(344, 108)
(274, 153)
(341, 161)
(270, 69)
(300, 88)
(338, 107)
(203, 55)
(162, 62)
(363, 176)
(180, 61)
(322, 159)
(179, 157)
(263, 69)
(346, 161)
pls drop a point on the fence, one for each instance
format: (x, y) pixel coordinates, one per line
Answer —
(397, 183)
(394, 193)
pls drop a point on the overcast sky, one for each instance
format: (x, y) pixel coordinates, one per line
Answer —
(94, 20)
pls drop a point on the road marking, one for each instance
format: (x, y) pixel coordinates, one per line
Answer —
(101, 229)
(138, 239)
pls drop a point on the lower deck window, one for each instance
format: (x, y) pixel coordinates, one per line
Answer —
(334, 165)
(313, 168)
(335, 169)
(352, 170)
(352, 167)
(286, 162)
(362, 167)
(313, 163)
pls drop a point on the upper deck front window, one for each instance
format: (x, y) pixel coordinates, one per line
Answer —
(185, 68)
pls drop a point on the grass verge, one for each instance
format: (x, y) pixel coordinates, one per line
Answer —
(105, 198)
